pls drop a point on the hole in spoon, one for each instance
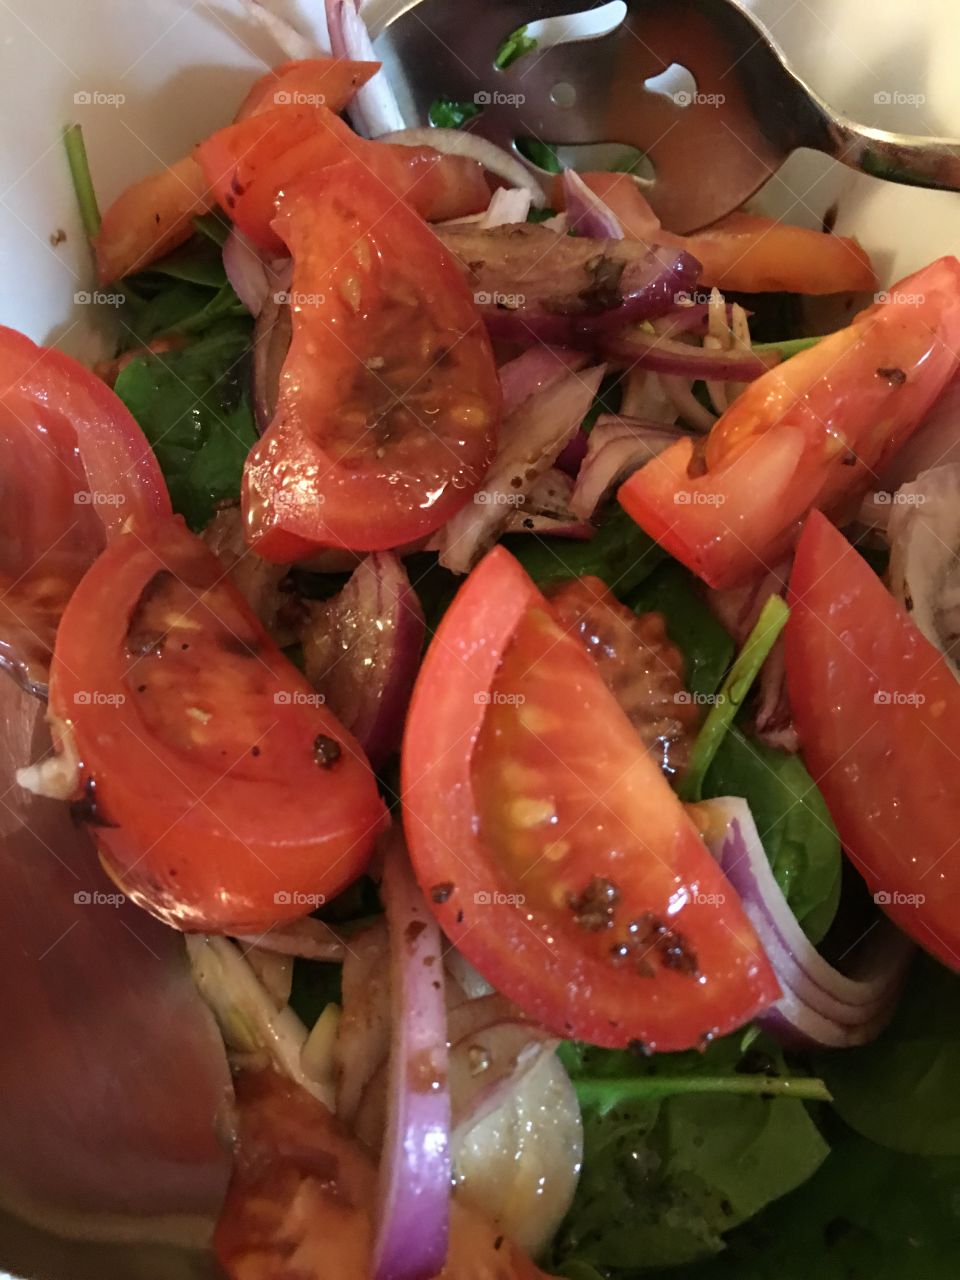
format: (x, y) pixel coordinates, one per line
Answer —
(585, 157)
(567, 28)
(677, 83)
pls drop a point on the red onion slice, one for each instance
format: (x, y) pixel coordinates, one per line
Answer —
(616, 447)
(534, 371)
(821, 1007)
(374, 109)
(546, 509)
(362, 650)
(588, 214)
(246, 271)
(663, 354)
(415, 1170)
(272, 335)
(533, 285)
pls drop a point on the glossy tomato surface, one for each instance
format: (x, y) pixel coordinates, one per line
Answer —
(323, 82)
(554, 852)
(389, 401)
(877, 708)
(303, 1195)
(223, 795)
(812, 432)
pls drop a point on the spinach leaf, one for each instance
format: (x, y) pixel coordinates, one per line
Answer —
(867, 1214)
(793, 821)
(447, 114)
(707, 647)
(620, 553)
(664, 1178)
(194, 408)
(540, 154)
(902, 1091)
(178, 307)
(515, 46)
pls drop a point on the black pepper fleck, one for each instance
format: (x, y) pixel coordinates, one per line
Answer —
(896, 377)
(326, 751)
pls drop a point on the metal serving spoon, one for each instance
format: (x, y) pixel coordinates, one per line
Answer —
(710, 145)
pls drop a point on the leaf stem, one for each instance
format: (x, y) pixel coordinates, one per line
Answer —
(82, 181)
(607, 1093)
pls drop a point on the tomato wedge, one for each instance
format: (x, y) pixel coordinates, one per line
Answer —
(813, 432)
(249, 165)
(302, 1194)
(223, 795)
(744, 252)
(317, 82)
(552, 848)
(389, 399)
(877, 709)
(76, 470)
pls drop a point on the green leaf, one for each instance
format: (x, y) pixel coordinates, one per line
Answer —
(82, 180)
(515, 46)
(540, 154)
(214, 226)
(541, 215)
(790, 347)
(756, 647)
(666, 1177)
(620, 553)
(193, 406)
(199, 261)
(707, 647)
(445, 113)
(903, 1091)
(798, 834)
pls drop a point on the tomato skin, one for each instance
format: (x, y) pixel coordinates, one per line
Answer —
(389, 399)
(813, 432)
(250, 164)
(331, 82)
(744, 252)
(877, 710)
(303, 1192)
(469, 731)
(200, 739)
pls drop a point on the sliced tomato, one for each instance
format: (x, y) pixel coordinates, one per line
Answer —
(877, 709)
(303, 1192)
(249, 165)
(223, 795)
(150, 219)
(813, 432)
(639, 664)
(316, 82)
(744, 252)
(76, 470)
(389, 399)
(552, 848)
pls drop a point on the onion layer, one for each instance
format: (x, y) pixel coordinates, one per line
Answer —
(415, 1169)
(456, 142)
(616, 447)
(820, 1007)
(662, 354)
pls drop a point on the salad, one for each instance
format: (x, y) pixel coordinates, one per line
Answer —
(482, 711)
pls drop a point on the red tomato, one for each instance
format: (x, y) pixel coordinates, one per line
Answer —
(877, 709)
(744, 251)
(813, 432)
(249, 165)
(552, 848)
(150, 219)
(389, 399)
(323, 82)
(302, 1196)
(224, 795)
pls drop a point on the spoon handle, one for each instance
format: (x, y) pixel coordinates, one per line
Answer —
(896, 157)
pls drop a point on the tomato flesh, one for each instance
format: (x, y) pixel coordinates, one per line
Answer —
(877, 710)
(303, 1192)
(224, 796)
(326, 82)
(812, 432)
(249, 165)
(553, 850)
(389, 400)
